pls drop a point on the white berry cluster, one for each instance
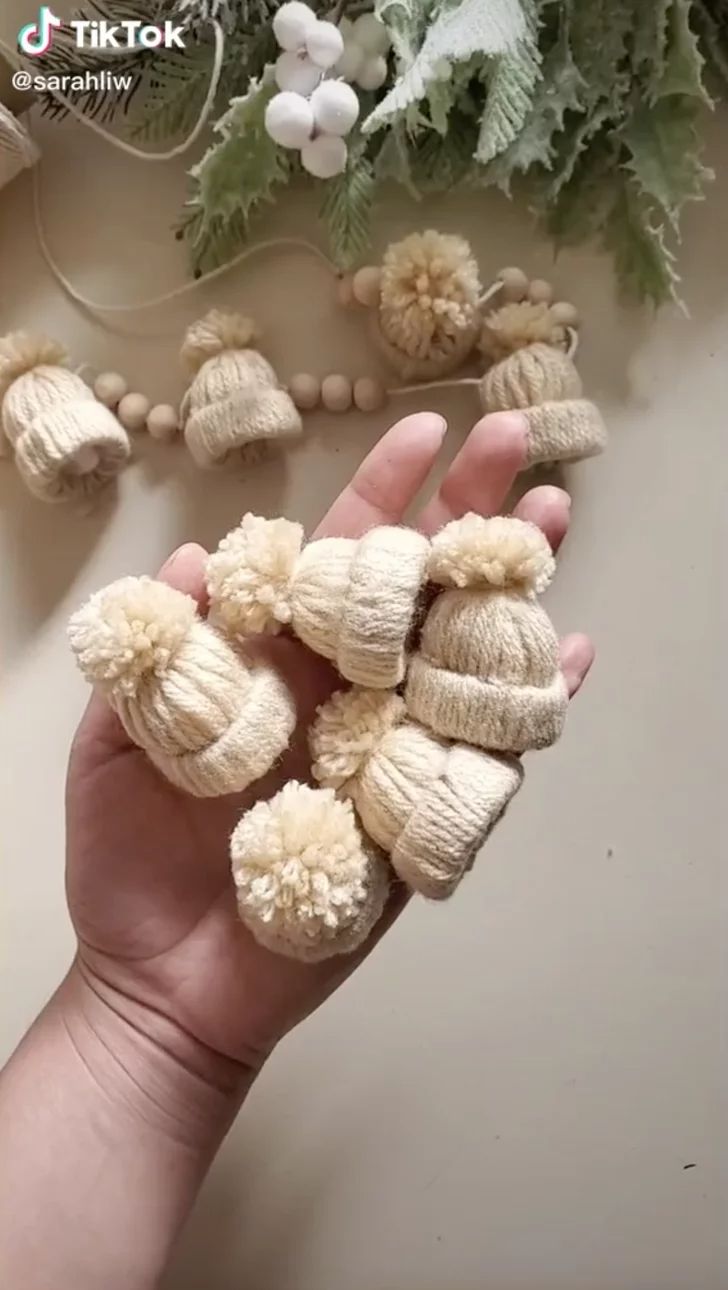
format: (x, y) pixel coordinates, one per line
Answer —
(366, 45)
(314, 110)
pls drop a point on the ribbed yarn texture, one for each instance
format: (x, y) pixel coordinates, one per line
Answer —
(66, 445)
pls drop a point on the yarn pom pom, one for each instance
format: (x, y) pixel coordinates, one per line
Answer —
(429, 291)
(307, 886)
(249, 576)
(213, 334)
(129, 631)
(21, 353)
(347, 729)
(514, 326)
(500, 552)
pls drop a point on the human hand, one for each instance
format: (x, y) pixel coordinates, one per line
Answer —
(149, 886)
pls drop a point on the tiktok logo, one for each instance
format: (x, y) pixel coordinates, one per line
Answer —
(37, 37)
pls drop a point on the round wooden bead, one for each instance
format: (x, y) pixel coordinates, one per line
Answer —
(365, 285)
(305, 390)
(515, 284)
(336, 393)
(110, 388)
(565, 313)
(133, 411)
(369, 394)
(345, 291)
(540, 292)
(163, 422)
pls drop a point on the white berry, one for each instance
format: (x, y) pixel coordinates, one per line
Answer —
(324, 156)
(324, 45)
(371, 34)
(373, 73)
(289, 119)
(296, 72)
(350, 63)
(292, 23)
(335, 107)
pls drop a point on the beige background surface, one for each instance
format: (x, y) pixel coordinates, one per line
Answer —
(507, 1096)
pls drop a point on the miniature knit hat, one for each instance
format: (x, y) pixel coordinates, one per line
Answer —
(487, 668)
(210, 721)
(533, 373)
(235, 400)
(309, 885)
(351, 600)
(66, 444)
(428, 803)
(426, 318)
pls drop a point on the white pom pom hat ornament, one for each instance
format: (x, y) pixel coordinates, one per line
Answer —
(289, 119)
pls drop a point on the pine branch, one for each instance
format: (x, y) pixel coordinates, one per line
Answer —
(347, 209)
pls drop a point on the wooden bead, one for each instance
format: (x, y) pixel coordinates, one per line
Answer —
(133, 411)
(540, 292)
(345, 291)
(163, 422)
(305, 390)
(369, 394)
(110, 388)
(366, 286)
(565, 313)
(515, 284)
(336, 393)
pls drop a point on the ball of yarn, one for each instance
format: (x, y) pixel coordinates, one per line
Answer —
(428, 310)
(500, 551)
(308, 885)
(348, 729)
(209, 721)
(249, 576)
(516, 325)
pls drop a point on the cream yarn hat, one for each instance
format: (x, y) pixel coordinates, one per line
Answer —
(66, 444)
(211, 722)
(353, 601)
(487, 668)
(424, 303)
(308, 884)
(533, 373)
(235, 401)
(428, 803)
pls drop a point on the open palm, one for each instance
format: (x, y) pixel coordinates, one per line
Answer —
(148, 873)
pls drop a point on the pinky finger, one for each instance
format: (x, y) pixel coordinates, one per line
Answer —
(577, 656)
